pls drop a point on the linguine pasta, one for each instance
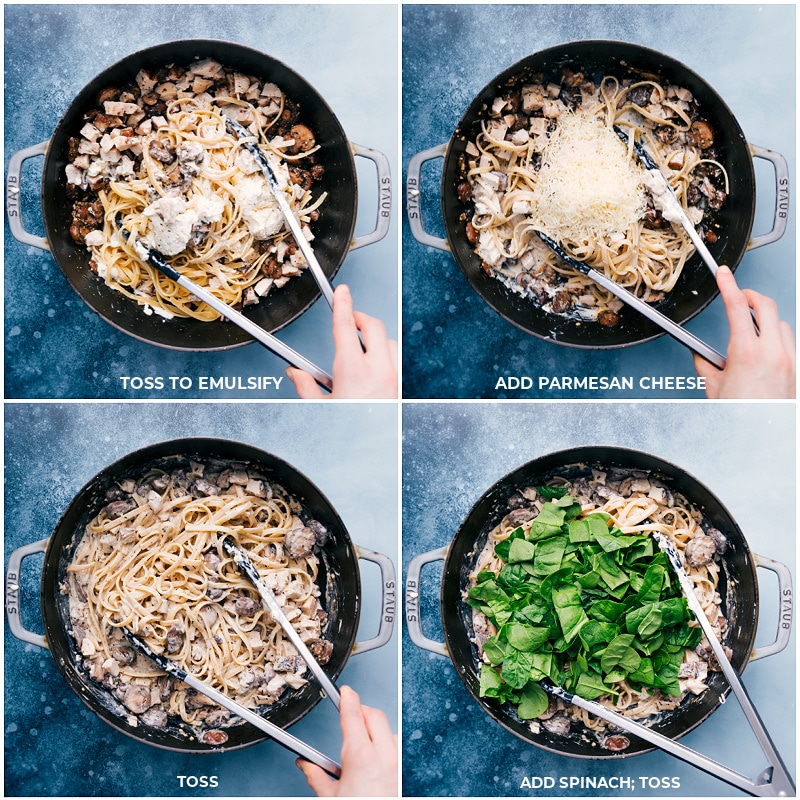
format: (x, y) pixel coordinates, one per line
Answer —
(171, 175)
(636, 504)
(152, 562)
(547, 159)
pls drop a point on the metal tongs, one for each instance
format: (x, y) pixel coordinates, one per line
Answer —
(249, 570)
(274, 731)
(671, 208)
(248, 142)
(291, 220)
(774, 781)
(695, 344)
(269, 341)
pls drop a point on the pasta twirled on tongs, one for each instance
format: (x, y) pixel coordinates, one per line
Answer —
(152, 562)
(547, 160)
(155, 157)
(571, 589)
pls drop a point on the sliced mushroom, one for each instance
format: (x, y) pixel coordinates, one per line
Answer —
(303, 139)
(156, 717)
(558, 724)
(702, 134)
(319, 530)
(321, 649)
(123, 653)
(214, 737)
(120, 507)
(616, 743)
(175, 639)
(718, 538)
(700, 551)
(300, 542)
(246, 606)
(212, 561)
(137, 698)
(161, 150)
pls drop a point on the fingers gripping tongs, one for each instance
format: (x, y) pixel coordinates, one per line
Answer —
(249, 570)
(774, 781)
(271, 729)
(269, 341)
(295, 228)
(671, 209)
(694, 343)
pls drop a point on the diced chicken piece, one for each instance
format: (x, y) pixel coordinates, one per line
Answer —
(116, 109)
(241, 83)
(89, 132)
(272, 91)
(532, 98)
(538, 126)
(94, 239)
(552, 108)
(520, 137)
(276, 685)
(489, 250)
(145, 81)
(74, 175)
(263, 286)
(208, 68)
(498, 104)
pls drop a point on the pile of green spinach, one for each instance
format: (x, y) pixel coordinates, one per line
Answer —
(581, 604)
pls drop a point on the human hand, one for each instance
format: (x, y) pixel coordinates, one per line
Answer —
(356, 374)
(759, 366)
(369, 754)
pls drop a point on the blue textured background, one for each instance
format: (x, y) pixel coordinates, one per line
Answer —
(454, 452)
(455, 346)
(55, 346)
(54, 745)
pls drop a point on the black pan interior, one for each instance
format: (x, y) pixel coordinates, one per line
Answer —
(738, 589)
(339, 580)
(333, 230)
(696, 288)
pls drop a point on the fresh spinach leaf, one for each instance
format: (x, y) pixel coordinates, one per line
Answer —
(552, 492)
(620, 656)
(524, 637)
(571, 616)
(520, 550)
(533, 701)
(501, 548)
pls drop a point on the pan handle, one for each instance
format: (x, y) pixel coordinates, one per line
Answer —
(13, 209)
(413, 605)
(786, 601)
(781, 218)
(388, 602)
(384, 196)
(13, 592)
(413, 197)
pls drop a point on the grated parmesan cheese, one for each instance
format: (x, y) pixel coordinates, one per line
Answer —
(587, 187)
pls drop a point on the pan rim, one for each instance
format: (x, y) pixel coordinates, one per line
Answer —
(567, 457)
(500, 298)
(55, 627)
(153, 329)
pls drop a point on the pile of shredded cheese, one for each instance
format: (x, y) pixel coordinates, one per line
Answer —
(587, 187)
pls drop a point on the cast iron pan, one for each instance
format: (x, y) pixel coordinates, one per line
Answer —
(333, 231)
(696, 287)
(338, 578)
(738, 588)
